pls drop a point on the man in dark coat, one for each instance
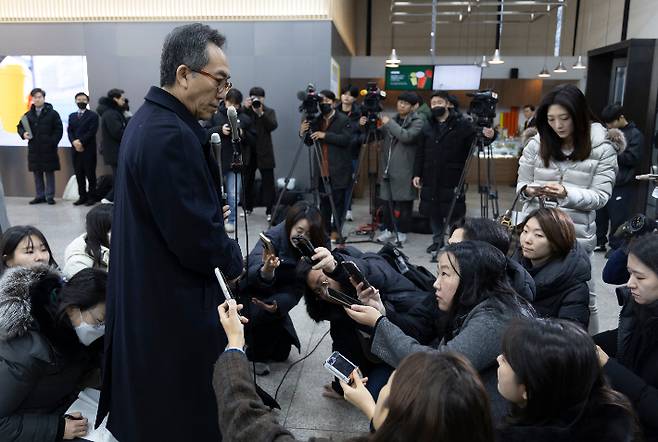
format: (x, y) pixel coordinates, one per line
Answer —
(352, 110)
(43, 135)
(440, 160)
(113, 123)
(331, 132)
(622, 201)
(163, 334)
(82, 129)
(260, 156)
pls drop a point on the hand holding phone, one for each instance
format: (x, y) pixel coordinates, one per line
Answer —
(341, 298)
(267, 244)
(232, 323)
(304, 247)
(222, 284)
(357, 277)
(340, 366)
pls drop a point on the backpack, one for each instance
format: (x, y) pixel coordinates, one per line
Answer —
(418, 275)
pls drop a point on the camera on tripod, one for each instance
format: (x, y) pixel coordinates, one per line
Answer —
(483, 107)
(310, 106)
(371, 106)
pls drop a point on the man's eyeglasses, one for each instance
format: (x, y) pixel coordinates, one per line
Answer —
(222, 83)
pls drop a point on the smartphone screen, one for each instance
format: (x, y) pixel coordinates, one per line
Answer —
(340, 364)
(352, 269)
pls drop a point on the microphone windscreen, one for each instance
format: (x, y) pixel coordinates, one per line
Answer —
(231, 112)
(214, 138)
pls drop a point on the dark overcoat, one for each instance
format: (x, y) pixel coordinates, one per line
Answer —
(47, 131)
(163, 333)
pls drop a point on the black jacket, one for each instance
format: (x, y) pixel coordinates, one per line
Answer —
(633, 370)
(631, 156)
(248, 136)
(42, 148)
(561, 286)
(113, 123)
(263, 150)
(440, 158)
(358, 135)
(84, 129)
(162, 330)
(337, 138)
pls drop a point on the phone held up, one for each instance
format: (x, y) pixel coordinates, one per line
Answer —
(354, 272)
(304, 247)
(340, 366)
(267, 244)
(223, 284)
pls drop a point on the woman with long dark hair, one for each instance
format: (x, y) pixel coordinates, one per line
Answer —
(50, 341)
(549, 371)
(92, 248)
(473, 292)
(24, 246)
(558, 264)
(629, 354)
(430, 397)
(571, 162)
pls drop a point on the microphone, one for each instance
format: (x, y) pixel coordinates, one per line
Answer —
(233, 122)
(647, 177)
(216, 146)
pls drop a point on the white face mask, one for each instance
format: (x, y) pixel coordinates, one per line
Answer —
(88, 333)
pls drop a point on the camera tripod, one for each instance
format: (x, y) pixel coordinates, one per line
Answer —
(316, 157)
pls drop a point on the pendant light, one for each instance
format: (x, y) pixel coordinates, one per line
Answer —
(544, 73)
(579, 63)
(496, 58)
(560, 69)
(393, 61)
(483, 63)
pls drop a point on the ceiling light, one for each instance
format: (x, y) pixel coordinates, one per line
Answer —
(393, 61)
(544, 73)
(560, 69)
(579, 63)
(496, 58)
(483, 63)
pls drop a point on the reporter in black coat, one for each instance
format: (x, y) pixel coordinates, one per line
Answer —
(82, 129)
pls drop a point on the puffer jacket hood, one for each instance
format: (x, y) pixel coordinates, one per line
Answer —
(105, 103)
(560, 274)
(20, 288)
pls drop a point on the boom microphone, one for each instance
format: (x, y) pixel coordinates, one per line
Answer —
(233, 122)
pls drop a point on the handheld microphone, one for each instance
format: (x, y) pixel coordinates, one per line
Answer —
(233, 122)
(216, 145)
(647, 177)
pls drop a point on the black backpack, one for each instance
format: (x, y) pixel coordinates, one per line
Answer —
(419, 275)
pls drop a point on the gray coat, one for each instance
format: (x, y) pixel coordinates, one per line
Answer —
(478, 338)
(397, 157)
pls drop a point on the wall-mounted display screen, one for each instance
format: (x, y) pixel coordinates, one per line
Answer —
(457, 77)
(409, 78)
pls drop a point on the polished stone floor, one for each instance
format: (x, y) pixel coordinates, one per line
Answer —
(304, 411)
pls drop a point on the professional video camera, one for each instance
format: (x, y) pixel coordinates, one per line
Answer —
(371, 106)
(310, 103)
(483, 107)
(636, 226)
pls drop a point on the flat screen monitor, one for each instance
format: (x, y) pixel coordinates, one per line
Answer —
(453, 77)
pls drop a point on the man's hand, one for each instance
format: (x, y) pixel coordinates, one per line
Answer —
(226, 130)
(226, 211)
(363, 121)
(247, 103)
(74, 428)
(318, 135)
(27, 136)
(326, 261)
(232, 322)
(488, 132)
(416, 182)
(77, 145)
(270, 263)
(258, 110)
(270, 308)
(385, 119)
(603, 356)
(303, 128)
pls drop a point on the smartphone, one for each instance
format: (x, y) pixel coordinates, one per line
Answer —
(304, 246)
(535, 186)
(267, 243)
(342, 298)
(340, 366)
(353, 270)
(222, 283)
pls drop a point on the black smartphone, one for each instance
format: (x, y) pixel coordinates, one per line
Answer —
(353, 270)
(267, 244)
(342, 298)
(304, 246)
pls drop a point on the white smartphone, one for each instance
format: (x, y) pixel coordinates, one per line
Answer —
(340, 366)
(222, 283)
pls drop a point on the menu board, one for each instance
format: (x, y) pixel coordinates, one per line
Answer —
(410, 78)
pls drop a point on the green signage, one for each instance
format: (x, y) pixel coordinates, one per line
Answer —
(410, 77)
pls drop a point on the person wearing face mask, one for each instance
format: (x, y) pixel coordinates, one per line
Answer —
(430, 397)
(571, 163)
(24, 246)
(82, 129)
(440, 160)
(50, 349)
(332, 132)
(629, 354)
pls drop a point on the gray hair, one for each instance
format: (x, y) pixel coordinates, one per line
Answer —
(187, 45)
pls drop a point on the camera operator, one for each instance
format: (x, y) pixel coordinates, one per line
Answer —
(398, 152)
(440, 160)
(261, 156)
(349, 107)
(220, 124)
(332, 131)
(615, 270)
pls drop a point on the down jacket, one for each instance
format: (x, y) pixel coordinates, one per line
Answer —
(588, 183)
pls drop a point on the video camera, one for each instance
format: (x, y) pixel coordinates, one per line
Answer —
(310, 106)
(636, 226)
(483, 107)
(371, 106)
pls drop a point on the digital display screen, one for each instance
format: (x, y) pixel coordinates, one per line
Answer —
(457, 77)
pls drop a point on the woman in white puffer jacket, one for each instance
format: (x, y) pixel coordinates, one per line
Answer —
(572, 162)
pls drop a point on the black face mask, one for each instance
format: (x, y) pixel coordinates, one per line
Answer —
(438, 111)
(325, 108)
(82, 105)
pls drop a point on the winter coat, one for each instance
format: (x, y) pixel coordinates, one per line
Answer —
(478, 337)
(561, 286)
(84, 129)
(76, 257)
(242, 415)
(603, 423)
(248, 137)
(629, 157)
(521, 281)
(396, 161)
(113, 123)
(440, 160)
(162, 330)
(47, 131)
(263, 150)
(337, 138)
(38, 380)
(633, 370)
(588, 183)
(358, 136)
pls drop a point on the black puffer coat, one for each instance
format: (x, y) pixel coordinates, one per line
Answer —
(113, 123)
(561, 286)
(47, 131)
(248, 137)
(263, 150)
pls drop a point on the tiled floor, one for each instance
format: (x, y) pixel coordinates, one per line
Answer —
(304, 410)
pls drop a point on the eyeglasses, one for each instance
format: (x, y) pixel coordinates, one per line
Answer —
(222, 83)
